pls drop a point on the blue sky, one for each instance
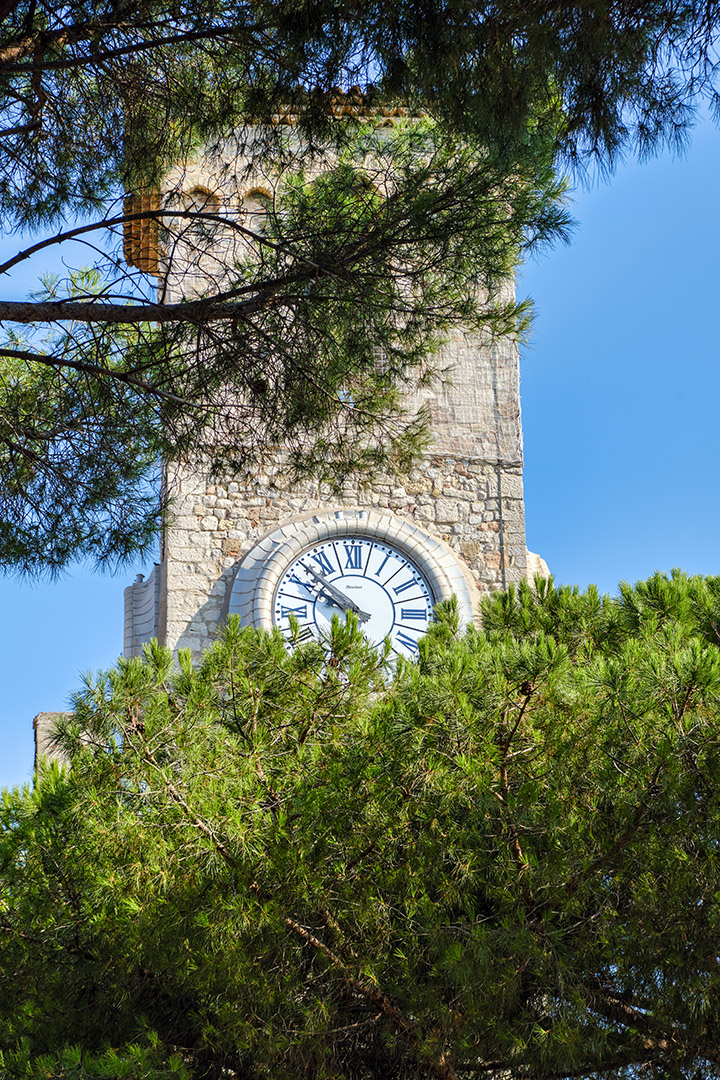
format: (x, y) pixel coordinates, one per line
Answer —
(620, 389)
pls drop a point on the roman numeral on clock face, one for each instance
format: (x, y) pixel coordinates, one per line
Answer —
(305, 633)
(300, 611)
(353, 559)
(405, 585)
(380, 567)
(408, 642)
(413, 613)
(323, 562)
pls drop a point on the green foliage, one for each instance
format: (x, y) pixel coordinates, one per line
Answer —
(133, 1062)
(369, 257)
(501, 859)
(145, 82)
(79, 447)
(381, 245)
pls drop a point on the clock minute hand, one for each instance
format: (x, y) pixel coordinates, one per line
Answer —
(340, 598)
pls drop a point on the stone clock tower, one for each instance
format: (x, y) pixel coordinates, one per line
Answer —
(263, 547)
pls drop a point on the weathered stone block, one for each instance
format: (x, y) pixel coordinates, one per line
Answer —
(446, 510)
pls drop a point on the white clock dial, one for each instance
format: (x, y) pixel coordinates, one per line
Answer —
(385, 569)
(375, 580)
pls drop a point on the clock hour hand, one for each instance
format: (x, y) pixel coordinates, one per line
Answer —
(335, 595)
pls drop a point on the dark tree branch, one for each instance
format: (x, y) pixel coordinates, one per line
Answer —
(40, 43)
(102, 372)
(96, 311)
(7, 7)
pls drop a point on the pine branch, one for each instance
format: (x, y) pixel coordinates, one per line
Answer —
(38, 44)
(441, 1066)
(7, 7)
(621, 842)
(98, 311)
(101, 372)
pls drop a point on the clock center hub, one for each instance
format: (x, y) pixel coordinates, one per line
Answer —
(370, 597)
(367, 576)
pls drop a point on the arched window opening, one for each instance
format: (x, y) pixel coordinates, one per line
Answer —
(254, 210)
(200, 200)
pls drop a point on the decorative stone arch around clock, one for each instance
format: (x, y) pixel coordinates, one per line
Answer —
(256, 578)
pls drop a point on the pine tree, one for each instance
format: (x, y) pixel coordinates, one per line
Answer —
(501, 861)
(101, 379)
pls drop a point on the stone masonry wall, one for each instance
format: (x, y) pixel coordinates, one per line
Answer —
(467, 491)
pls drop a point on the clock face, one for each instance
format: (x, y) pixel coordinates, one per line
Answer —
(375, 580)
